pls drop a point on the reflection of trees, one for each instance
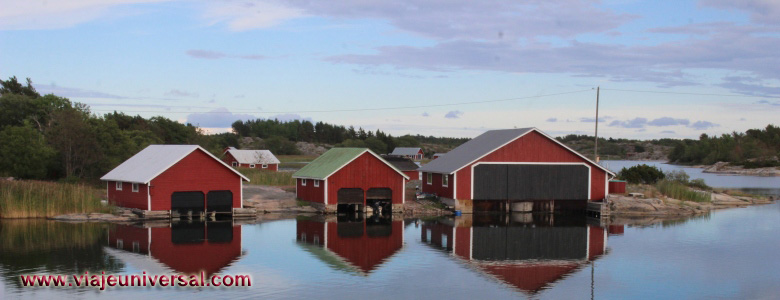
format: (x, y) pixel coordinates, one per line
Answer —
(39, 246)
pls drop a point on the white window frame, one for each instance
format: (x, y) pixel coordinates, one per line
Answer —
(316, 183)
(235, 164)
(445, 180)
(252, 166)
(120, 244)
(135, 188)
(429, 179)
(118, 186)
(303, 181)
(136, 247)
(265, 166)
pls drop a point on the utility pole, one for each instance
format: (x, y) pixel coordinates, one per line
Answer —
(596, 150)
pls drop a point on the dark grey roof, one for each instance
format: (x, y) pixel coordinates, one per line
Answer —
(401, 163)
(405, 151)
(480, 146)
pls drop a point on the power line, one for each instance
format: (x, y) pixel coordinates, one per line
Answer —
(355, 109)
(687, 93)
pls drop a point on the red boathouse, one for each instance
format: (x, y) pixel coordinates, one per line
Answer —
(507, 169)
(253, 159)
(351, 179)
(182, 178)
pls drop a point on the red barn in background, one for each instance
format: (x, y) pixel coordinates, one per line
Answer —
(253, 159)
(515, 165)
(183, 178)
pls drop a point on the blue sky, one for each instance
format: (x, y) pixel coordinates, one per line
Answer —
(714, 62)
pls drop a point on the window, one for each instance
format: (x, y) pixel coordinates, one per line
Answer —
(429, 180)
(445, 180)
(135, 188)
(444, 241)
(118, 185)
(136, 247)
(303, 182)
(265, 166)
(235, 164)
(252, 166)
(317, 240)
(316, 183)
(120, 244)
(303, 237)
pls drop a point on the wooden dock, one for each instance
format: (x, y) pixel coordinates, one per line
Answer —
(598, 209)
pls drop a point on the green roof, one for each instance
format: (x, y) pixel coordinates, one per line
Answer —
(332, 161)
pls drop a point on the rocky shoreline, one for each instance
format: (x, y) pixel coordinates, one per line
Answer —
(636, 206)
(726, 168)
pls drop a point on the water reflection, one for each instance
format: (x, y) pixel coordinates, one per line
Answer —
(529, 252)
(352, 245)
(185, 247)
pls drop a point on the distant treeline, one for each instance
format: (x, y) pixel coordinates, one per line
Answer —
(277, 131)
(754, 149)
(611, 147)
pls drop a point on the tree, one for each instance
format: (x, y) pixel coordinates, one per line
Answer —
(281, 146)
(376, 145)
(24, 152)
(641, 174)
(12, 86)
(75, 141)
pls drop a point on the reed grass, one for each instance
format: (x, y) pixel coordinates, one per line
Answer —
(40, 199)
(680, 191)
(24, 236)
(264, 177)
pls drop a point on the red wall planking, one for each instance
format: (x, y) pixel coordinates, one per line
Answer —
(436, 186)
(126, 197)
(309, 192)
(198, 171)
(413, 175)
(192, 258)
(365, 252)
(366, 172)
(534, 147)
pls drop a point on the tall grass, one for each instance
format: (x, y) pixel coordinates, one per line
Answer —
(679, 191)
(23, 236)
(263, 177)
(38, 199)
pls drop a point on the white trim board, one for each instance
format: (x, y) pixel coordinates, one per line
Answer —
(590, 175)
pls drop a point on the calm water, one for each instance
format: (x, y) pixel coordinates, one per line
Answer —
(755, 184)
(727, 254)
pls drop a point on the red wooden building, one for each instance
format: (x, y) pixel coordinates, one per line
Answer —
(363, 245)
(253, 159)
(182, 178)
(184, 247)
(405, 164)
(351, 179)
(410, 152)
(515, 165)
(529, 258)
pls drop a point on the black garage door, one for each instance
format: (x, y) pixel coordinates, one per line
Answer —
(219, 201)
(523, 243)
(530, 182)
(188, 201)
(350, 196)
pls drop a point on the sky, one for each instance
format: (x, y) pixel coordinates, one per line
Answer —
(665, 69)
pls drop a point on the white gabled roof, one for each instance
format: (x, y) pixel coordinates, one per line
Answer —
(405, 151)
(258, 157)
(152, 161)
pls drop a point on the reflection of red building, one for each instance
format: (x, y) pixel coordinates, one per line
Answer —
(185, 248)
(527, 257)
(361, 245)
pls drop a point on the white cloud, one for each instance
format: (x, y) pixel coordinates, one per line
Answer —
(455, 114)
(246, 15)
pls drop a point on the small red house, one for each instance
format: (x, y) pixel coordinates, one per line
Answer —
(413, 153)
(183, 178)
(405, 164)
(184, 247)
(351, 178)
(515, 165)
(253, 159)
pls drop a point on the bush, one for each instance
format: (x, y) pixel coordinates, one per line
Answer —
(641, 174)
(683, 178)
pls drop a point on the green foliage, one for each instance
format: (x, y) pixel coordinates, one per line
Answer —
(680, 191)
(753, 147)
(23, 152)
(641, 174)
(281, 146)
(681, 177)
(12, 86)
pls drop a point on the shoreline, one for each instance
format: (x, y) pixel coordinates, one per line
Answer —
(622, 206)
